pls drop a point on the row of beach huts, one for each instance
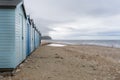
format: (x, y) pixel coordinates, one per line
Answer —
(19, 35)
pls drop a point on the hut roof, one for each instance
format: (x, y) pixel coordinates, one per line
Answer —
(9, 3)
(12, 4)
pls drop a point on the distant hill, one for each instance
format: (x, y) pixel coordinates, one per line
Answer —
(46, 38)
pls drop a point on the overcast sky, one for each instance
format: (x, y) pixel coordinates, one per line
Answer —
(76, 19)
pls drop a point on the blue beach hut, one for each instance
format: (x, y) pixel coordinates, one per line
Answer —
(32, 35)
(28, 40)
(37, 38)
(12, 33)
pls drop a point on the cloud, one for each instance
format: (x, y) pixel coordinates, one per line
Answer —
(88, 27)
(76, 18)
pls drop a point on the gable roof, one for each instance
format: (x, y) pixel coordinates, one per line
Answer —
(9, 3)
(12, 4)
(24, 10)
(32, 22)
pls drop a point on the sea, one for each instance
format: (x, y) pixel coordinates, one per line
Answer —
(107, 43)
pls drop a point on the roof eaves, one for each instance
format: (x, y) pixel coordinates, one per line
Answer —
(24, 10)
(7, 7)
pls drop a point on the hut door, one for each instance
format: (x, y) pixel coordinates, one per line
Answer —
(28, 39)
(22, 37)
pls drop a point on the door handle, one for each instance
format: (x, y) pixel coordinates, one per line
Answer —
(22, 37)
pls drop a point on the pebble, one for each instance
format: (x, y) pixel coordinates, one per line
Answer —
(21, 65)
(6, 74)
(26, 61)
(119, 61)
(9, 78)
(25, 79)
(59, 57)
(118, 72)
(83, 65)
(1, 77)
(18, 70)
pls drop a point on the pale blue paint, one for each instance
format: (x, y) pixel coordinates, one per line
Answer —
(20, 31)
(7, 38)
(37, 39)
(12, 53)
(28, 40)
(32, 42)
(31, 38)
(13, 26)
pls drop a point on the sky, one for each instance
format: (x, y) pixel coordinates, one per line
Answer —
(76, 19)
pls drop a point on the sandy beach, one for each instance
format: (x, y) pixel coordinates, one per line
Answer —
(70, 62)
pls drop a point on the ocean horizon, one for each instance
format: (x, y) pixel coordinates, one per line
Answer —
(107, 43)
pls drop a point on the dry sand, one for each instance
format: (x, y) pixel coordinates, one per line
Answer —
(70, 63)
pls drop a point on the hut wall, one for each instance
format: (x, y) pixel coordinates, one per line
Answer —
(7, 38)
(20, 35)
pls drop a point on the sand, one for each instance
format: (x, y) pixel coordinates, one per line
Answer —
(70, 63)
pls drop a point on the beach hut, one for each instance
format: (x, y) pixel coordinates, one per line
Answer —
(28, 40)
(40, 37)
(32, 35)
(12, 33)
(36, 38)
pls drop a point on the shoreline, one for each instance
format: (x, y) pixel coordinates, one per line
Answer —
(74, 44)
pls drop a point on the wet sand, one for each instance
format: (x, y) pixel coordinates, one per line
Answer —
(70, 63)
